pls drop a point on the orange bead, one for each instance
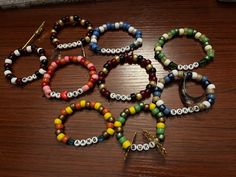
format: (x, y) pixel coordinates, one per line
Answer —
(86, 62)
(46, 80)
(63, 112)
(65, 139)
(59, 126)
(92, 104)
(90, 84)
(110, 125)
(92, 72)
(77, 105)
(63, 61)
(105, 110)
(74, 59)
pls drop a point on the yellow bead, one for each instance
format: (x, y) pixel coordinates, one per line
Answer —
(60, 136)
(110, 131)
(160, 125)
(152, 106)
(132, 110)
(117, 124)
(107, 115)
(126, 144)
(97, 105)
(69, 110)
(82, 103)
(57, 121)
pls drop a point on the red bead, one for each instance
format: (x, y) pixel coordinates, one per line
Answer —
(92, 68)
(90, 84)
(77, 105)
(63, 112)
(64, 95)
(58, 62)
(93, 104)
(59, 126)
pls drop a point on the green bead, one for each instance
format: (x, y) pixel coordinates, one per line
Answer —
(203, 62)
(161, 137)
(170, 35)
(137, 108)
(194, 32)
(123, 114)
(211, 53)
(174, 32)
(203, 39)
(119, 135)
(122, 140)
(172, 65)
(162, 38)
(189, 32)
(141, 105)
(161, 42)
(155, 111)
(160, 114)
(163, 59)
(121, 119)
(206, 43)
(161, 55)
(160, 131)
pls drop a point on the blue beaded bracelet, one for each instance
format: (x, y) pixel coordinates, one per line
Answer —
(97, 32)
(176, 75)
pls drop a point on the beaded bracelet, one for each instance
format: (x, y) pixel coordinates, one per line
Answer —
(189, 32)
(160, 127)
(65, 95)
(73, 20)
(130, 59)
(175, 75)
(83, 104)
(137, 34)
(23, 52)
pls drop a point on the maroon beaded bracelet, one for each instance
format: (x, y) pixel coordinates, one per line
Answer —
(130, 59)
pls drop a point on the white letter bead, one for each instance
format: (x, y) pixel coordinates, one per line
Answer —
(77, 143)
(133, 147)
(146, 147)
(159, 102)
(83, 142)
(139, 147)
(94, 139)
(173, 112)
(179, 111)
(152, 144)
(211, 86)
(180, 67)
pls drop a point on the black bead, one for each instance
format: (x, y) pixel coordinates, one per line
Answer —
(83, 41)
(172, 65)
(140, 57)
(189, 75)
(9, 76)
(45, 62)
(44, 66)
(86, 23)
(76, 18)
(38, 74)
(133, 96)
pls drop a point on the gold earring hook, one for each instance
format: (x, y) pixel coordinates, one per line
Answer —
(36, 34)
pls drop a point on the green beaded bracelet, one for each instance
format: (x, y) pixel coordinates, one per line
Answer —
(189, 32)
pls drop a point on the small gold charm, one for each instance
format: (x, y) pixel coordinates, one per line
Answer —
(127, 151)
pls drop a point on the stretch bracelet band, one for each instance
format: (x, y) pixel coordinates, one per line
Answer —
(176, 75)
(79, 106)
(30, 49)
(136, 109)
(130, 59)
(189, 32)
(66, 95)
(72, 20)
(97, 32)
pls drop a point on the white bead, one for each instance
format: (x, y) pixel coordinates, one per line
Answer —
(8, 61)
(185, 110)
(140, 40)
(104, 26)
(146, 147)
(136, 43)
(121, 24)
(29, 49)
(93, 37)
(211, 86)
(207, 47)
(69, 45)
(117, 25)
(6, 72)
(158, 48)
(94, 40)
(196, 108)
(13, 80)
(77, 143)
(175, 72)
(180, 67)
(94, 139)
(181, 31)
(112, 95)
(101, 29)
(194, 75)
(167, 62)
(80, 91)
(197, 35)
(185, 67)
(83, 142)
(130, 30)
(139, 147)
(89, 141)
(41, 58)
(34, 76)
(133, 147)
(207, 104)
(42, 71)
(159, 103)
(179, 111)
(166, 36)
(24, 80)
(134, 31)
(190, 109)
(173, 112)
(39, 49)
(152, 144)
(195, 64)
(160, 85)
(17, 52)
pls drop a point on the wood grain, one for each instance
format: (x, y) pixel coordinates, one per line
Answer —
(203, 144)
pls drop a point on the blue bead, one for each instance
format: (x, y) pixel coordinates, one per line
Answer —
(70, 141)
(162, 107)
(206, 83)
(138, 36)
(157, 89)
(156, 93)
(132, 46)
(126, 26)
(167, 79)
(96, 33)
(189, 75)
(211, 96)
(112, 26)
(211, 101)
(93, 46)
(204, 78)
(171, 76)
(96, 29)
(101, 138)
(166, 111)
(109, 26)
(138, 32)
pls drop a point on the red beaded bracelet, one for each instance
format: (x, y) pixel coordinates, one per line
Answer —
(66, 95)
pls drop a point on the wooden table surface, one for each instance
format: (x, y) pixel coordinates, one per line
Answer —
(202, 144)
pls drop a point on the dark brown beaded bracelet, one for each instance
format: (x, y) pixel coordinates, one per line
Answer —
(130, 59)
(75, 21)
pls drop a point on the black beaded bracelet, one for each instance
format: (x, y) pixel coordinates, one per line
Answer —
(75, 21)
(130, 59)
(189, 32)
(21, 52)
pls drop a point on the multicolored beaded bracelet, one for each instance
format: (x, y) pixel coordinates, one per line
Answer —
(189, 32)
(23, 52)
(83, 104)
(130, 59)
(65, 95)
(132, 110)
(137, 34)
(73, 20)
(176, 75)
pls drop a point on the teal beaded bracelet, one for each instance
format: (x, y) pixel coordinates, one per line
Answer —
(189, 32)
